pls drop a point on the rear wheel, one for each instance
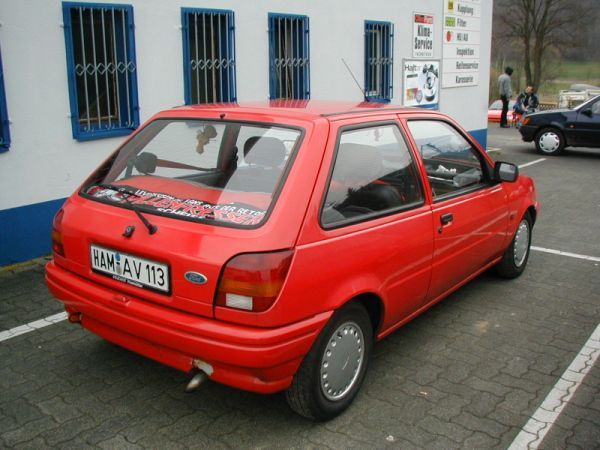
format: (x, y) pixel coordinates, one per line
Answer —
(516, 255)
(331, 374)
(550, 141)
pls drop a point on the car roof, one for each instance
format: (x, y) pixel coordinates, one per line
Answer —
(300, 109)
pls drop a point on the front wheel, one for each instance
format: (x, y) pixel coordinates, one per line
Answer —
(331, 374)
(516, 255)
(550, 141)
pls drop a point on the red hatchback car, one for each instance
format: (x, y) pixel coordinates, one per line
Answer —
(495, 111)
(268, 246)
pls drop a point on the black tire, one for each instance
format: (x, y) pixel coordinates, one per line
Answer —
(306, 395)
(550, 141)
(516, 255)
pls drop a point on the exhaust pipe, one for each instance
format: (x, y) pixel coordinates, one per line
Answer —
(75, 317)
(196, 381)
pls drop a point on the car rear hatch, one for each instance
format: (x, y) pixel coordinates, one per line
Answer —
(158, 223)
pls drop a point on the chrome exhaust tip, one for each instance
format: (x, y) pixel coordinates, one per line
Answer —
(196, 381)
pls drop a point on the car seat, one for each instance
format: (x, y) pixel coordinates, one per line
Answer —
(356, 187)
(264, 156)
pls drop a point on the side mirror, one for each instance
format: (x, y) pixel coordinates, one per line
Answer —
(505, 171)
(588, 112)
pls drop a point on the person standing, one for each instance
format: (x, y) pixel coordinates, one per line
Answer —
(505, 91)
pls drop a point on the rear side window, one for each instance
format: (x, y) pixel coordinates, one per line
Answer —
(374, 173)
(216, 172)
(453, 165)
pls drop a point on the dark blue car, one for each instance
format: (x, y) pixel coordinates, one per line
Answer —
(556, 129)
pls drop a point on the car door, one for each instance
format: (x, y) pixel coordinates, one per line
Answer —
(470, 216)
(588, 125)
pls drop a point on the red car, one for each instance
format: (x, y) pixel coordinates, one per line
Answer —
(268, 246)
(495, 111)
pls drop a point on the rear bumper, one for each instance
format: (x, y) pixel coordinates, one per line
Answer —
(250, 358)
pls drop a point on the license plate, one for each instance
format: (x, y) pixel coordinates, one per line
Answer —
(130, 269)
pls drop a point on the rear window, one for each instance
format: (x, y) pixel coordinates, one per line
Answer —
(220, 172)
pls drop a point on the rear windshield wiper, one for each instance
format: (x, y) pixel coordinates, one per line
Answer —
(123, 190)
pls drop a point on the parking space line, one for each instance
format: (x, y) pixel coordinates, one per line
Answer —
(569, 254)
(32, 326)
(532, 163)
(539, 424)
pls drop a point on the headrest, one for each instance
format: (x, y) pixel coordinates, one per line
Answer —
(357, 164)
(264, 151)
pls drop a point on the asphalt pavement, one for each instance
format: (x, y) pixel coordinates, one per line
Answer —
(497, 364)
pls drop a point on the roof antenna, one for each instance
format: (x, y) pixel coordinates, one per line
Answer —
(356, 81)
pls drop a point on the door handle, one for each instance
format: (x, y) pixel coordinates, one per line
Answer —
(447, 218)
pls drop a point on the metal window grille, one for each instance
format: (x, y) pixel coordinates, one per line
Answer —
(289, 58)
(101, 68)
(208, 56)
(4, 131)
(379, 60)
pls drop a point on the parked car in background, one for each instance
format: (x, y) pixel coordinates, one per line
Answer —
(554, 130)
(268, 246)
(495, 111)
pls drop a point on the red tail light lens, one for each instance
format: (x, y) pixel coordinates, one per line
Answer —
(57, 240)
(253, 281)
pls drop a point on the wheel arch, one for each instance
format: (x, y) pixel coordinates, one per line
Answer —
(374, 307)
(533, 213)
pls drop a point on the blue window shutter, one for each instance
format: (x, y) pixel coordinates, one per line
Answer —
(379, 56)
(4, 123)
(208, 55)
(101, 69)
(289, 56)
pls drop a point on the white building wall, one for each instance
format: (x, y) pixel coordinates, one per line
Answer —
(44, 162)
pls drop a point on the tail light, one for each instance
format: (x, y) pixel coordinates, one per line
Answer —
(253, 281)
(57, 239)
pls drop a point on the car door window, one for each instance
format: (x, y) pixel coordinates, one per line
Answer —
(374, 173)
(452, 164)
(596, 107)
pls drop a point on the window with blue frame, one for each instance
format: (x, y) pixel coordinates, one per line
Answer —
(4, 131)
(379, 60)
(289, 57)
(208, 55)
(101, 69)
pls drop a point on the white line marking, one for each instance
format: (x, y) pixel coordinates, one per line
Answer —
(532, 163)
(32, 326)
(535, 429)
(561, 253)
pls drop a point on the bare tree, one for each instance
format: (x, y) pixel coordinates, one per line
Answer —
(540, 26)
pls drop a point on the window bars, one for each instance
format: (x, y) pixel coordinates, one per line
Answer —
(101, 69)
(379, 59)
(289, 57)
(4, 131)
(208, 56)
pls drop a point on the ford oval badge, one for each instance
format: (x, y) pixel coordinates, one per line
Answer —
(195, 277)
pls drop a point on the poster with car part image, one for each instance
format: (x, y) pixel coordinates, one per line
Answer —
(421, 83)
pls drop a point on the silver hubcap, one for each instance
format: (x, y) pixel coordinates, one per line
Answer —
(549, 142)
(521, 246)
(342, 361)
